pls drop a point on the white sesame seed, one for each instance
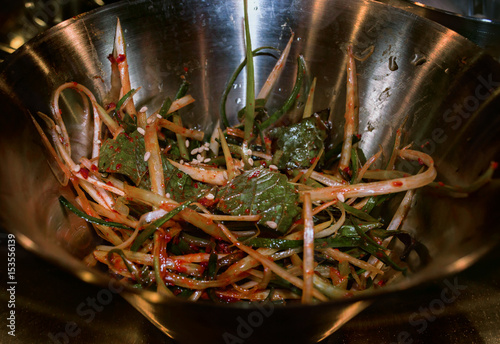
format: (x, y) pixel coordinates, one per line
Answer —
(143, 109)
(195, 162)
(225, 175)
(58, 129)
(181, 162)
(168, 195)
(207, 160)
(271, 224)
(150, 120)
(76, 168)
(159, 116)
(194, 151)
(340, 197)
(199, 157)
(147, 156)
(206, 144)
(249, 152)
(98, 142)
(205, 148)
(250, 161)
(209, 196)
(141, 131)
(187, 143)
(273, 167)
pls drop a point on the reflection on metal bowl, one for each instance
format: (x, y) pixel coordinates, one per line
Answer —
(444, 91)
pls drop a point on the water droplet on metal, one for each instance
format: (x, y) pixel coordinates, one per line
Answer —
(393, 65)
(418, 59)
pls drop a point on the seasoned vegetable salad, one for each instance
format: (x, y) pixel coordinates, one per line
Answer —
(255, 211)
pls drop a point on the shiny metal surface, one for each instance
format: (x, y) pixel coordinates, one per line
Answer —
(483, 31)
(444, 86)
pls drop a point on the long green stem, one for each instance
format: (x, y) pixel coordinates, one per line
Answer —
(250, 101)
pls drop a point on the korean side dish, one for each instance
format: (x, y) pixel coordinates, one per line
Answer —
(252, 211)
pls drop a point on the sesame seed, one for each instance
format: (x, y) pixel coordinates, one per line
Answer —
(159, 116)
(168, 195)
(141, 131)
(143, 109)
(181, 162)
(250, 161)
(271, 224)
(209, 196)
(98, 142)
(199, 158)
(187, 143)
(76, 168)
(194, 151)
(58, 129)
(249, 152)
(225, 175)
(273, 167)
(150, 120)
(206, 144)
(340, 197)
(207, 160)
(147, 156)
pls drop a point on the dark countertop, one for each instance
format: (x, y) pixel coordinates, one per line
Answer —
(48, 301)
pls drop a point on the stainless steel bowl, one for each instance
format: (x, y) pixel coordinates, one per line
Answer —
(445, 87)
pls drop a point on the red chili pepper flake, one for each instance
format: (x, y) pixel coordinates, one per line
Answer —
(358, 136)
(110, 105)
(93, 168)
(233, 186)
(186, 69)
(247, 211)
(254, 174)
(179, 175)
(111, 58)
(195, 185)
(121, 58)
(109, 183)
(397, 183)
(208, 202)
(84, 172)
(128, 137)
(313, 160)
(223, 247)
(380, 283)
(75, 84)
(441, 183)
(347, 171)
(118, 166)
(420, 161)
(494, 165)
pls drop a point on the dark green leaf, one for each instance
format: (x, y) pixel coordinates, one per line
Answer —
(125, 155)
(300, 143)
(261, 192)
